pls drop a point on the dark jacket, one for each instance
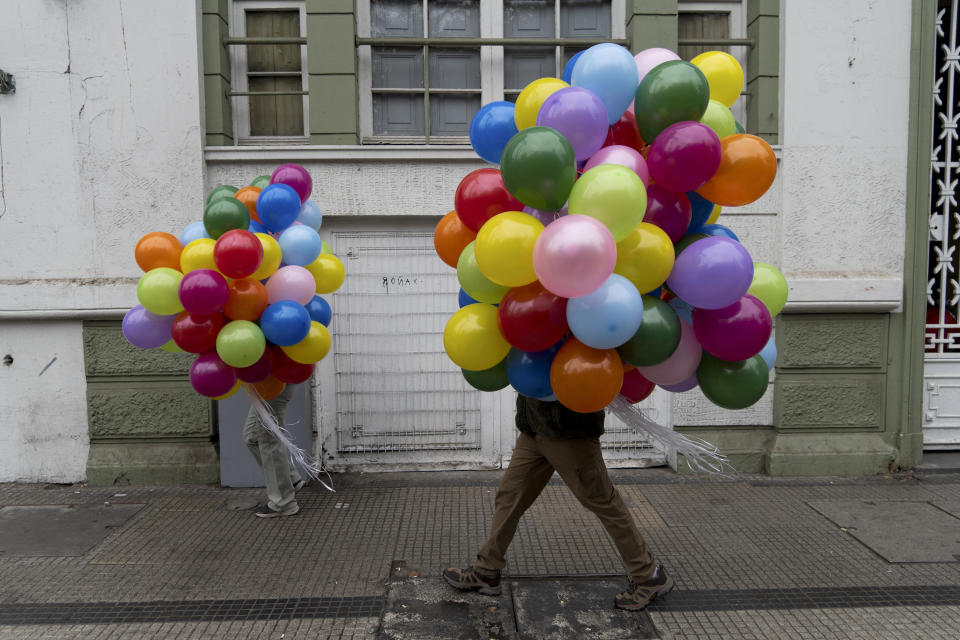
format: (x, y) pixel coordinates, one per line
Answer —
(553, 420)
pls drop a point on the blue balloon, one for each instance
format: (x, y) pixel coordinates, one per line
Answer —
(278, 206)
(567, 74)
(683, 308)
(718, 230)
(193, 231)
(320, 311)
(769, 353)
(256, 227)
(300, 245)
(609, 316)
(491, 130)
(655, 293)
(610, 71)
(465, 299)
(310, 215)
(529, 372)
(285, 322)
(700, 210)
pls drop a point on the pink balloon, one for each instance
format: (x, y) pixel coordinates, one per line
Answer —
(681, 364)
(734, 333)
(574, 256)
(295, 176)
(684, 156)
(668, 210)
(647, 59)
(203, 291)
(622, 155)
(546, 217)
(291, 283)
(211, 376)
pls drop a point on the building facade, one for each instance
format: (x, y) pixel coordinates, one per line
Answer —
(131, 112)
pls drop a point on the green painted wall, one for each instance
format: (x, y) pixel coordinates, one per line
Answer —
(652, 23)
(763, 69)
(332, 64)
(218, 116)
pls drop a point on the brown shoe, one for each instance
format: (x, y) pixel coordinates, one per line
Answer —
(471, 579)
(640, 594)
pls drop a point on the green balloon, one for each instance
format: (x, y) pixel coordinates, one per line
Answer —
(261, 182)
(769, 286)
(478, 286)
(240, 343)
(740, 128)
(656, 339)
(223, 191)
(686, 241)
(539, 168)
(733, 385)
(159, 291)
(325, 247)
(718, 117)
(225, 214)
(672, 92)
(492, 379)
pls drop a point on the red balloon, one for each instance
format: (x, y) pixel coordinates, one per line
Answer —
(238, 253)
(195, 333)
(482, 195)
(624, 131)
(289, 371)
(635, 387)
(259, 370)
(531, 318)
(668, 210)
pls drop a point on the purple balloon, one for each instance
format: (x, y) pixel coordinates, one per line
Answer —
(712, 273)
(734, 333)
(684, 156)
(203, 291)
(211, 376)
(146, 330)
(680, 387)
(579, 115)
(647, 59)
(295, 176)
(546, 217)
(622, 155)
(669, 210)
(259, 370)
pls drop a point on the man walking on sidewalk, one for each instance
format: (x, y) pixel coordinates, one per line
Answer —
(281, 477)
(555, 438)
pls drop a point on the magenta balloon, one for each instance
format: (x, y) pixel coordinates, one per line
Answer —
(734, 333)
(203, 292)
(546, 217)
(647, 59)
(294, 176)
(293, 283)
(622, 155)
(680, 387)
(574, 256)
(211, 376)
(681, 364)
(579, 115)
(684, 156)
(669, 210)
(259, 370)
(146, 330)
(712, 273)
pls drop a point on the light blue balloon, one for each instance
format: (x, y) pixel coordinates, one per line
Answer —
(491, 130)
(609, 316)
(610, 71)
(300, 245)
(769, 353)
(310, 215)
(683, 309)
(718, 230)
(193, 231)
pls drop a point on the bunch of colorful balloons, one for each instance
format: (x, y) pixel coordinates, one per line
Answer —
(590, 261)
(240, 288)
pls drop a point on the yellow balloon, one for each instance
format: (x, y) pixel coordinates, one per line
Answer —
(236, 387)
(645, 257)
(532, 97)
(472, 338)
(171, 347)
(714, 214)
(504, 248)
(724, 75)
(198, 254)
(271, 257)
(312, 348)
(328, 272)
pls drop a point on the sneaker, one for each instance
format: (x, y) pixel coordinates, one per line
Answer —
(299, 484)
(640, 594)
(470, 579)
(266, 511)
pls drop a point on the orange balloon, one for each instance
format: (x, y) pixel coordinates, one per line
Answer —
(450, 237)
(248, 196)
(269, 388)
(747, 169)
(158, 249)
(585, 379)
(246, 299)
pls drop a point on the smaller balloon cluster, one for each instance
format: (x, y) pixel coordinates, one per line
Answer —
(590, 262)
(239, 288)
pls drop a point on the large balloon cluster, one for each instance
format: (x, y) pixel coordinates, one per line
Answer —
(239, 288)
(590, 262)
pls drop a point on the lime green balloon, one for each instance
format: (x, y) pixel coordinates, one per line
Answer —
(740, 128)
(325, 247)
(687, 240)
(225, 214)
(770, 286)
(171, 347)
(614, 195)
(240, 343)
(492, 379)
(261, 182)
(719, 118)
(656, 339)
(733, 385)
(474, 283)
(671, 92)
(159, 291)
(539, 168)
(223, 191)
